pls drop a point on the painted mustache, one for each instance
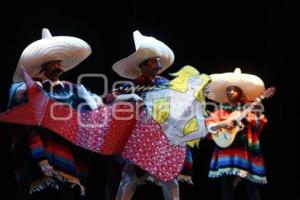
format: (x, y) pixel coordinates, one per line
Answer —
(56, 71)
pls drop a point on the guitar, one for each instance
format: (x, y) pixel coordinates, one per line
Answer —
(224, 137)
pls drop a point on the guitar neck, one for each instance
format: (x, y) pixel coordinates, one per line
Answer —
(267, 94)
(250, 108)
(246, 111)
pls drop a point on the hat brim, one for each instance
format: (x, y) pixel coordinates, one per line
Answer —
(251, 85)
(70, 50)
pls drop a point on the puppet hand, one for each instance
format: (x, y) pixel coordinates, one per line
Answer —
(128, 97)
(136, 98)
(98, 100)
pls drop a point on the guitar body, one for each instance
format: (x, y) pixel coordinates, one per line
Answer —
(224, 137)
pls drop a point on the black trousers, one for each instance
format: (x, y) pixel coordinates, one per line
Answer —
(228, 187)
(104, 178)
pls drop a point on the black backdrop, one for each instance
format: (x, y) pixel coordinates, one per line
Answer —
(213, 36)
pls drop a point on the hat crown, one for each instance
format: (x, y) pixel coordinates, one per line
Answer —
(46, 33)
(144, 42)
(137, 39)
(237, 71)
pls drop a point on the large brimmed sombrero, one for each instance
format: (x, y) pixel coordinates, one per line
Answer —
(146, 47)
(251, 85)
(70, 50)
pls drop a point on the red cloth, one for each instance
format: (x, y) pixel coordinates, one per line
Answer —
(106, 130)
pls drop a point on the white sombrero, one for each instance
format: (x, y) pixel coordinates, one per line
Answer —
(146, 47)
(251, 85)
(70, 50)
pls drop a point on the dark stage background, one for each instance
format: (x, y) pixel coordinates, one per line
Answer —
(212, 36)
